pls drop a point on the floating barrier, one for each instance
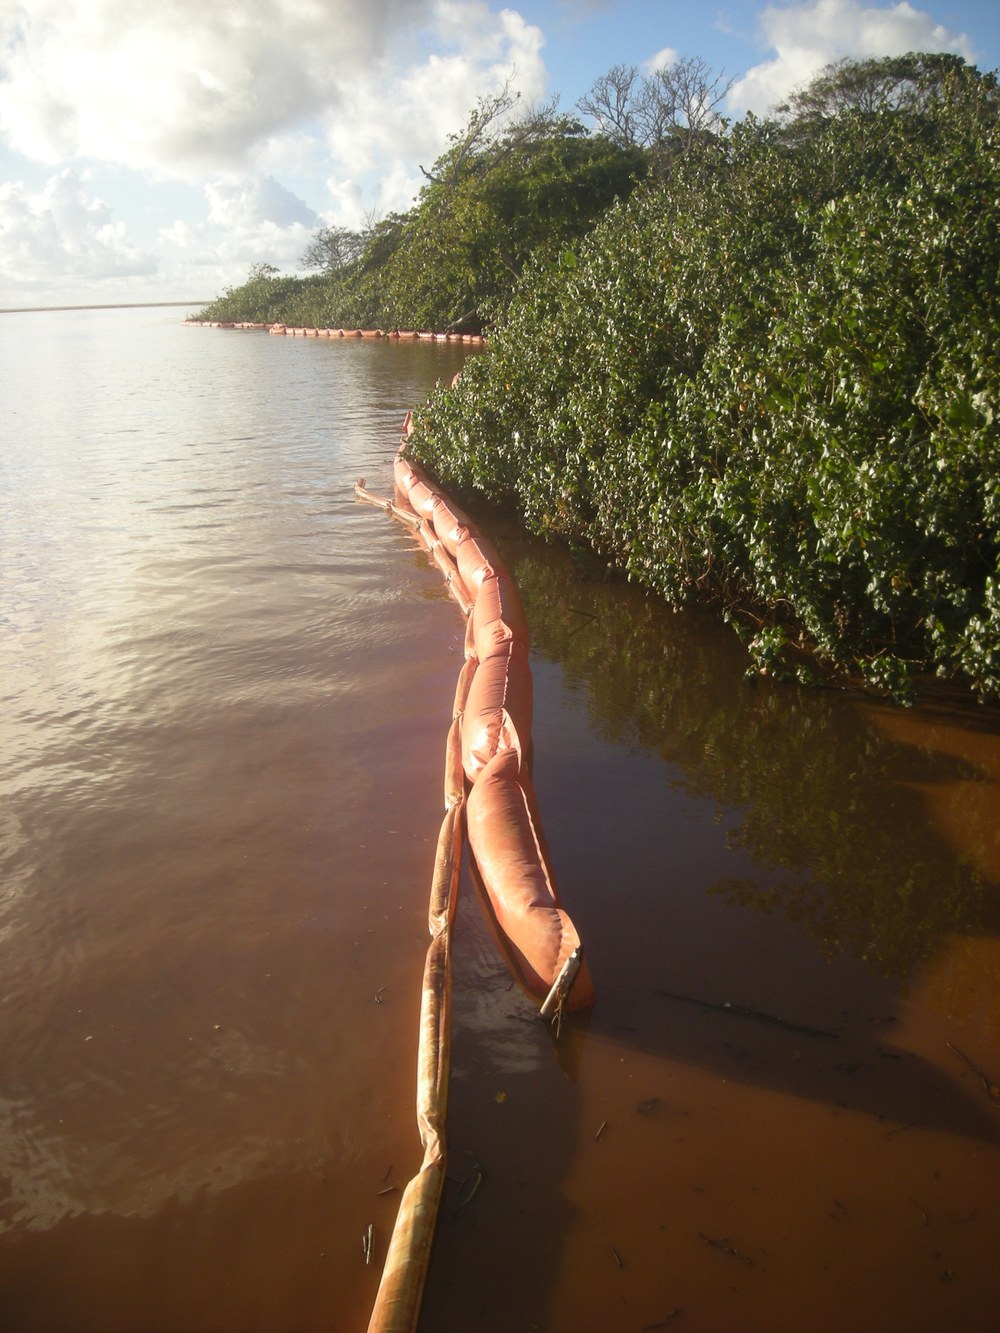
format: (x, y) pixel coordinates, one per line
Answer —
(392, 335)
(488, 791)
(495, 730)
(219, 324)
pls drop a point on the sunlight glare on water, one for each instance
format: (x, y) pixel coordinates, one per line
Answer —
(208, 647)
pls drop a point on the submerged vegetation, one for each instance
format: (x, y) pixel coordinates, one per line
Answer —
(758, 366)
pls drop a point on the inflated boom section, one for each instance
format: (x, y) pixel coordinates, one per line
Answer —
(501, 809)
(504, 836)
(487, 780)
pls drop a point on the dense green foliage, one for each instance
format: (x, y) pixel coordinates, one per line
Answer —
(772, 380)
(262, 299)
(765, 377)
(504, 190)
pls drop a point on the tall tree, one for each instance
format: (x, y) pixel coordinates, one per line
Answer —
(614, 103)
(333, 249)
(663, 112)
(892, 83)
(507, 185)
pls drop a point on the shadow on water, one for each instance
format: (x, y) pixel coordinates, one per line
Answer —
(763, 884)
(805, 779)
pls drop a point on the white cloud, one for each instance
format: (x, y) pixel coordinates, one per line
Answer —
(180, 86)
(61, 233)
(250, 203)
(662, 60)
(251, 221)
(396, 116)
(61, 243)
(185, 88)
(271, 101)
(807, 37)
(181, 234)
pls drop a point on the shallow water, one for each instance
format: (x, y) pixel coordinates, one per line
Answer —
(226, 689)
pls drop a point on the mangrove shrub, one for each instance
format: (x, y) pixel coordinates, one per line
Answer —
(772, 381)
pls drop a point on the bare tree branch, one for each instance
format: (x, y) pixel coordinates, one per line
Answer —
(612, 103)
(674, 105)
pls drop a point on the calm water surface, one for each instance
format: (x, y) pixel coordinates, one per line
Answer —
(226, 688)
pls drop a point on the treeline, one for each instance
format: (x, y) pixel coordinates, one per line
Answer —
(514, 183)
(768, 376)
(509, 186)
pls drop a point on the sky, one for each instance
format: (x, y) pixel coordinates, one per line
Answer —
(154, 152)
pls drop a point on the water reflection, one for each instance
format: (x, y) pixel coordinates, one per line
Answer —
(830, 789)
(213, 822)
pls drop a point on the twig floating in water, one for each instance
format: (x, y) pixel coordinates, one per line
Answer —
(898, 1129)
(724, 1245)
(362, 492)
(584, 623)
(552, 1005)
(366, 1242)
(742, 1012)
(992, 1090)
(648, 1328)
(478, 1175)
(603, 1127)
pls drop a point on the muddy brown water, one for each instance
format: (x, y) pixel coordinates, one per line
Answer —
(226, 691)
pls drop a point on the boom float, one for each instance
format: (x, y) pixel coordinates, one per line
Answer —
(488, 789)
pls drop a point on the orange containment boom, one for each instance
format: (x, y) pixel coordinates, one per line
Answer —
(504, 829)
(494, 717)
(488, 789)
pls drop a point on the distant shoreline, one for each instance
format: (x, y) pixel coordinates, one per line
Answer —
(122, 305)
